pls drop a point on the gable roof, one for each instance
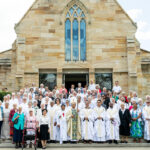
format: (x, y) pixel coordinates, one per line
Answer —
(134, 23)
(70, 1)
(144, 50)
(16, 25)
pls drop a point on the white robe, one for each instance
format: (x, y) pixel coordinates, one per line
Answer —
(80, 106)
(68, 108)
(53, 119)
(99, 125)
(112, 127)
(146, 115)
(12, 102)
(57, 130)
(5, 134)
(87, 125)
(62, 121)
(93, 103)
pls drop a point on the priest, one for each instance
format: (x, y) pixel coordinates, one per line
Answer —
(87, 118)
(62, 124)
(146, 116)
(112, 124)
(99, 125)
(53, 119)
(74, 125)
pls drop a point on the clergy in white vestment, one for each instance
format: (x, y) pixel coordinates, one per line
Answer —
(146, 116)
(93, 101)
(99, 125)
(112, 124)
(81, 104)
(24, 106)
(87, 118)
(74, 125)
(53, 120)
(62, 124)
(115, 105)
(57, 109)
(13, 101)
(68, 107)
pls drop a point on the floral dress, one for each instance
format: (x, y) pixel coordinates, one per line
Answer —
(136, 128)
(11, 114)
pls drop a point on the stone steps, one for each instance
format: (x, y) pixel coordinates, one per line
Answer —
(7, 144)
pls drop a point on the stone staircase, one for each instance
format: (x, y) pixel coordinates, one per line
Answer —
(8, 144)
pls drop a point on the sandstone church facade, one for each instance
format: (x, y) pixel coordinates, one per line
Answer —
(71, 41)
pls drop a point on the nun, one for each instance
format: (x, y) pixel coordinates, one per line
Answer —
(125, 123)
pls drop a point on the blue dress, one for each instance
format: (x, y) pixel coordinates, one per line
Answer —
(136, 128)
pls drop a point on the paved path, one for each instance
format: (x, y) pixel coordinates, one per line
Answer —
(123, 148)
(89, 146)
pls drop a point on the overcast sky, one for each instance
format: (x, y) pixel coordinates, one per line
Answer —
(11, 11)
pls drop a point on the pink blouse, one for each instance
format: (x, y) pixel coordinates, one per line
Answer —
(30, 122)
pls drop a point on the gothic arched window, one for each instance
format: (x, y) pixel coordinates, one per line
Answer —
(75, 35)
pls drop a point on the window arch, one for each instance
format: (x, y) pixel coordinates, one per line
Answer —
(75, 34)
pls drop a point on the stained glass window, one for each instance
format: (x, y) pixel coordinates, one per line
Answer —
(82, 15)
(78, 11)
(75, 40)
(75, 6)
(75, 34)
(83, 40)
(68, 39)
(67, 16)
(71, 11)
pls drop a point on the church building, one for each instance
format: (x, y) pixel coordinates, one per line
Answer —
(71, 41)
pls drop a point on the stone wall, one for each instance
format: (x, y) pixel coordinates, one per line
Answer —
(5, 69)
(41, 38)
(110, 42)
(145, 64)
(4, 77)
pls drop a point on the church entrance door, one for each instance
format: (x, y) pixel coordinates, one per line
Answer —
(70, 79)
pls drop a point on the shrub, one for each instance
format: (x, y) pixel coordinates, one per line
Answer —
(2, 94)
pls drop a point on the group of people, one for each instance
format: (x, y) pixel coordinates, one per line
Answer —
(75, 115)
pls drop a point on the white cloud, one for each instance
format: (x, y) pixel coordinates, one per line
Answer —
(143, 30)
(143, 35)
(135, 13)
(142, 25)
(11, 11)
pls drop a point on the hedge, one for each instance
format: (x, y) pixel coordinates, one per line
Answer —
(2, 94)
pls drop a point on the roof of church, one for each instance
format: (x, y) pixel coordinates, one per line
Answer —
(148, 51)
(114, 0)
(5, 51)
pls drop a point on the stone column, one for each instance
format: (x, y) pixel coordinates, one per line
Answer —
(20, 59)
(132, 64)
(139, 75)
(59, 77)
(91, 74)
